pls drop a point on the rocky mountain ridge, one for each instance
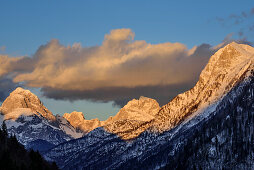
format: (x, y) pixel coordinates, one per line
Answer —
(201, 124)
(127, 123)
(31, 121)
(224, 69)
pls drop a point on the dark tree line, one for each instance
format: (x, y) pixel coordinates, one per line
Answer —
(13, 155)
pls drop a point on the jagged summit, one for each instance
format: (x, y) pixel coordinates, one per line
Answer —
(127, 123)
(78, 121)
(225, 69)
(30, 120)
(75, 115)
(143, 98)
(143, 109)
(226, 58)
(19, 90)
(133, 118)
(243, 48)
(22, 101)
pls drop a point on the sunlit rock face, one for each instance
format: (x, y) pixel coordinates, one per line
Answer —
(75, 118)
(128, 123)
(224, 69)
(78, 121)
(133, 118)
(24, 102)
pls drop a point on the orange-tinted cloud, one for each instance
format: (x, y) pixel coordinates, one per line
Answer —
(120, 69)
(118, 62)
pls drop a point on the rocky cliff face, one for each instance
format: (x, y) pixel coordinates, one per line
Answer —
(78, 121)
(128, 123)
(224, 69)
(24, 99)
(133, 118)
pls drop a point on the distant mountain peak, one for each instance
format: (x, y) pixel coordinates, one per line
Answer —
(143, 98)
(142, 109)
(21, 99)
(240, 47)
(234, 44)
(133, 118)
(234, 49)
(127, 123)
(77, 115)
(20, 90)
(27, 118)
(227, 59)
(77, 120)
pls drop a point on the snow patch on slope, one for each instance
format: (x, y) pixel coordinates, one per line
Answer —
(16, 113)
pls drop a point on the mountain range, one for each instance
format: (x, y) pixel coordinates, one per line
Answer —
(209, 126)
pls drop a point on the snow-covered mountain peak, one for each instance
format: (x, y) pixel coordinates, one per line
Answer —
(133, 118)
(242, 48)
(21, 91)
(21, 99)
(30, 120)
(233, 51)
(224, 70)
(141, 98)
(230, 57)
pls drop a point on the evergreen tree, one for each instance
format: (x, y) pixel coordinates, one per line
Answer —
(13, 155)
(4, 129)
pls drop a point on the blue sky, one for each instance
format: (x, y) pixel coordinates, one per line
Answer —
(26, 25)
